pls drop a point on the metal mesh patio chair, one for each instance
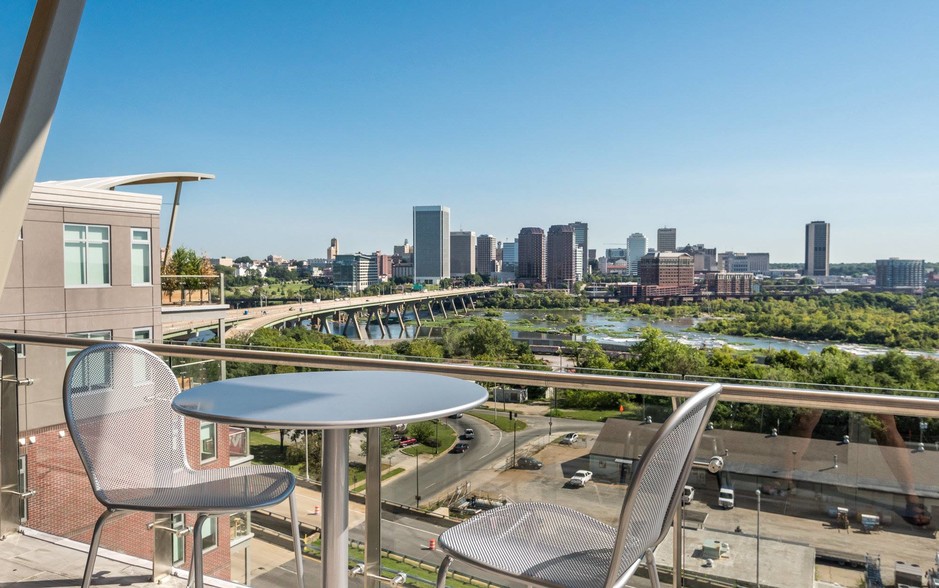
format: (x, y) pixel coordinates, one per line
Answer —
(548, 545)
(133, 445)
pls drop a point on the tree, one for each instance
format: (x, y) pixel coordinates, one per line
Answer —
(388, 443)
(425, 432)
(243, 259)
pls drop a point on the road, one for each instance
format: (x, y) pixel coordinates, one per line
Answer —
(487, 455)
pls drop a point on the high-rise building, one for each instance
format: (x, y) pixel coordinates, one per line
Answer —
(705, 259)
(666, 239)
(817, 242)
(485, 255)
(462, 253)
(510, 251)
(666, 270)
(758, 263)
(561, 265)
(333, 250)
(635, 249)
(431, 244)
(616, 253)
(580, 238)
(404, 251)
(354, 271)
(383, 264)
(900, 273)
(532, 255)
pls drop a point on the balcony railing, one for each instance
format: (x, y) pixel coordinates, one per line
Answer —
(818, 474)
(190, 290)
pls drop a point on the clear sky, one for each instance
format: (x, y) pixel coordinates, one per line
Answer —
(736, 122)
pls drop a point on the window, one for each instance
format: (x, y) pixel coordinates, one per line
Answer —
(179, 541)
(87, 255)
(140, 257)
(240, 524)
(141, 371)
(90, 378)
(209, 534)
(207, 433)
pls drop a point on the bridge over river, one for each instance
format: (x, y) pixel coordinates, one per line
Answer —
(327, 315)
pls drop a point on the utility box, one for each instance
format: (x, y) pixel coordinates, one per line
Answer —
(909, 574)
(517, 395)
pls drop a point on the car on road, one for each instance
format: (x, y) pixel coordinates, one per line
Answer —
(460, 447)
(468, 435)
(458, 415)
(407, 442)
(580, 478)
(528, 463)
(569, 439)
(687, 495)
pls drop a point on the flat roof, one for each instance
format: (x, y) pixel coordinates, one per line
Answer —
(112, 182)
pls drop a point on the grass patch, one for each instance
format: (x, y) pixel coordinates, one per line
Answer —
(445, 438)
(385, 475)
(598, 416)
(500, 420)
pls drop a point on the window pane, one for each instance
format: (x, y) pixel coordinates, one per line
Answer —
(99, 270)
(74, 264)
(141, 370)
(141, 235)
(209, 533)
(179, 541)
(98, 233)
(207, 441)
(74, 232)
(140, 263)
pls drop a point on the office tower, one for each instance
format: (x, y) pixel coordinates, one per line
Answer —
(705, 258)
(635, 249)
(431, 244)
(404, 251)
(615, 253)
(666, 239)
(580, 238)
(383, 263)
(333, 250)
(817, 242)
(510, 252)
(355, 271)
(758, 263)
(579, 269)
(561, 266)
(462, 253)
(900, 273)
(485, 255)
(531, 256)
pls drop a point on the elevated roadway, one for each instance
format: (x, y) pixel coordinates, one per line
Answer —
(350, 311)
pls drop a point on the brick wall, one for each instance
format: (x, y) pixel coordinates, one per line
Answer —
(65, 506)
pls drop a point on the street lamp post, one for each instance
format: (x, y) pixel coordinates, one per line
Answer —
(306, 441)
(417, 478)
(757, 538)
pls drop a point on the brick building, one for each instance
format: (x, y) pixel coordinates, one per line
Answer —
(667, 270)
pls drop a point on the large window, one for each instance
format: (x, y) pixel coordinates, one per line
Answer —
(91, 377)
(179, 540)
(207, 435)
(87, 255)
(210, 534)
(140, 257)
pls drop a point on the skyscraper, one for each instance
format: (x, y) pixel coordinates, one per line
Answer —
(900, 273)
(431, 244)
(462, 253)
(333, 250)
(485, 255)
(817, 241)
(635, 249)
(561, 266)
(509, 255)
(580, 238)
(666, 239)
(531, 256)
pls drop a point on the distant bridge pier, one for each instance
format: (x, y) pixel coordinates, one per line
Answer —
(472, 303)
(463, 303)
(417, 317)
(430, 311)
(443, 308)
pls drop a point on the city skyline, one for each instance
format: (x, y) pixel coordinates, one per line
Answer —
(628, 117)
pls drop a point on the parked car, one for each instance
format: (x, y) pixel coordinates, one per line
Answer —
(687, 495)
(726, 498)
(468, 435)
(407, 442)
(458, 415)
(529, 463)
(580, 478)
(569, 439)
(460, 447)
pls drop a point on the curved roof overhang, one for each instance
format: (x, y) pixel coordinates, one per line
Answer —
(110, 183)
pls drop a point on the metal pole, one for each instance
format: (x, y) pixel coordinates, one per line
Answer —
(757, 538)
(417, 478)
(306, 441)
(168, 253)
(373, 508)
(436, 436)
(335, 516)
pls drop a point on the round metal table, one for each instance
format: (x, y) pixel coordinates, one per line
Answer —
(334, 402)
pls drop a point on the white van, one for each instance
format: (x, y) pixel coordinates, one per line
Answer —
(726, 498)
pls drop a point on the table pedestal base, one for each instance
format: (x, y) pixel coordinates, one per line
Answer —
(335, 540)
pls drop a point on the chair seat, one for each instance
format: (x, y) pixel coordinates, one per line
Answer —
(221, 490)
(542, 543)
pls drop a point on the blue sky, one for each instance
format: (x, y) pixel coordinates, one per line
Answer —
(735, 122)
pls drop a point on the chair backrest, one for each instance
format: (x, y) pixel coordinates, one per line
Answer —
(659, 479)
(117, 406)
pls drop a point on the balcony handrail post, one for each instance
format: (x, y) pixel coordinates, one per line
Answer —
(9, 447)
(373, 508)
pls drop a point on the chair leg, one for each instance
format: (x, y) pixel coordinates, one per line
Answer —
(653, 570)
(442, 572)
(295, 528)
(93, 548)
(195, 569)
